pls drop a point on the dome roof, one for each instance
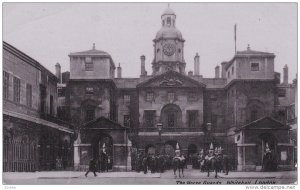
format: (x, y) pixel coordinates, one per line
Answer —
(168, 11)
(168, 32)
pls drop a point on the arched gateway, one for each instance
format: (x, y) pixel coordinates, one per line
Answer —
(102, 139)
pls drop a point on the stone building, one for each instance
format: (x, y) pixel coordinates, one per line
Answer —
(242, 109)
(33, 138)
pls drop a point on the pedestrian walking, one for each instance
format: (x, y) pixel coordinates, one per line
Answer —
(92, 168)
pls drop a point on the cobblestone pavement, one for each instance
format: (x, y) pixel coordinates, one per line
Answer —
(190, 177)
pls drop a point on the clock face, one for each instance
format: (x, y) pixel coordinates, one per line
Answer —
(169, 49)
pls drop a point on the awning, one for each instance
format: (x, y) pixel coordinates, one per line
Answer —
(38, 121)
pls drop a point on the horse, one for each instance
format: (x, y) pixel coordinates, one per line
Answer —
(178, 164)
(201, 161)
(212, 164)
(225, 164)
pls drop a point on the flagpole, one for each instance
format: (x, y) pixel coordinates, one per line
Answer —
(235, 38)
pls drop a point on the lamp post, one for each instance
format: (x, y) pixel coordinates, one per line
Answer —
(208, 129)
(159, 128)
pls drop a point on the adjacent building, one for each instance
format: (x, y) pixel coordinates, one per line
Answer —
(33, 138)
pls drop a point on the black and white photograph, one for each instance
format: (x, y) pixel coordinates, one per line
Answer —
(157, 93)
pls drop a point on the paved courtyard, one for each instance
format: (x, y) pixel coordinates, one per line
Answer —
(114, 178)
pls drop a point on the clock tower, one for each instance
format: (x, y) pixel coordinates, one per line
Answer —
(168, 46)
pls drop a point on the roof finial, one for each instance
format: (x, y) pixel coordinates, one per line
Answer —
(94, 46)
(248, 47)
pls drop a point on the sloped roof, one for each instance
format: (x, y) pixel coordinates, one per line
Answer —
(264, 123)
(103, 123)
(247, 53)
(92, 52)
(253, 52)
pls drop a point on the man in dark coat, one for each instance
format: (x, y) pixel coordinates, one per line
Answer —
(92, 168)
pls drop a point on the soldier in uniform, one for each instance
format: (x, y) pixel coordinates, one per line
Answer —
(210, 154)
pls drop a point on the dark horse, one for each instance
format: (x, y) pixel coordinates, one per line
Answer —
(178, 164)
(212, 164)
(217, 163)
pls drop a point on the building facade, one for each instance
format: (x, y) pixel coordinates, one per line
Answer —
(243, 109)
(33, 138)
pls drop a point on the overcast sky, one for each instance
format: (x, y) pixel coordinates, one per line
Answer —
(48, 32)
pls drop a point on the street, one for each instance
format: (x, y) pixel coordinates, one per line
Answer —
(192, 177)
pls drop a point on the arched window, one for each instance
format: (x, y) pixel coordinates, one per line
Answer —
(171, 116)
(168, 21)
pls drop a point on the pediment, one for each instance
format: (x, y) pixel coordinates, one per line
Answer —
(267, 123)
(103, 123)
(171, 79)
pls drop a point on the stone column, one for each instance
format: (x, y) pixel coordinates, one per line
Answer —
(129, 146)
(77, 152)
(240, 158)
(76, 157)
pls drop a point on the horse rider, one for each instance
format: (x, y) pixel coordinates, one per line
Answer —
(210, 154)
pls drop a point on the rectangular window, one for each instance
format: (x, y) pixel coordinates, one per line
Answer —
(214, 120)
(192, 96)
(232, 70)
(5, 84)
(126, 120)
(228, 74)
(29, 95)
(126, 98)
(17, 86)
(281, 93)
(149, 118)
(89, 65)
(192, 118)
(43, 96)
(150, 96)
(254, 66)
(90, 114)
(51, 105)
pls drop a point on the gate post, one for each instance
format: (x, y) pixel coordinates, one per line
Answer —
(129, 146)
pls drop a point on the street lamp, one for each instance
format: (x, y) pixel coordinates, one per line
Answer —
(208, 136)
(159, 128)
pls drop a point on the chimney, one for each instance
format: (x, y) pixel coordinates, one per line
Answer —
(285, 74)
(58, 72)
(197, 64)
(143, 69)
(217, 71)
(223, 72)
(119, 71)
(190, 73)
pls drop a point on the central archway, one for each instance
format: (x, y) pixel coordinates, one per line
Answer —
(171, 116)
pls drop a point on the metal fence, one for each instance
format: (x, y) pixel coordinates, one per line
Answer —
(19, 157)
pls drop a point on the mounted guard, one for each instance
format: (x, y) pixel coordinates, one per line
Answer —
(178, 162)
